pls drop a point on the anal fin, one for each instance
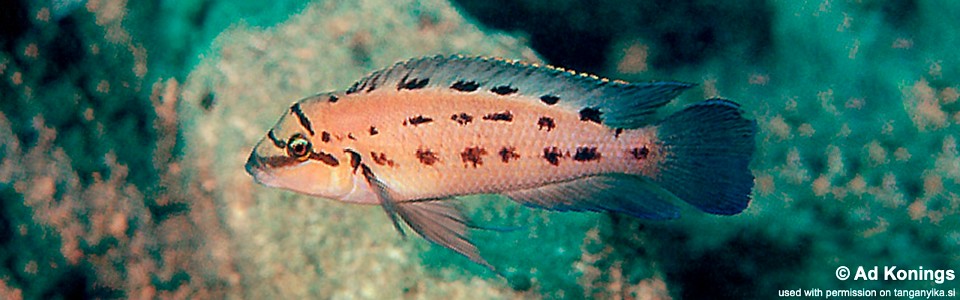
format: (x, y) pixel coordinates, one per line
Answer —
(628, 194)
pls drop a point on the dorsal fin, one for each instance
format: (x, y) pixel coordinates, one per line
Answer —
(614, 103)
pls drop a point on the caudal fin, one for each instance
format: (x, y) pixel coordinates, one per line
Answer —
(707, 148)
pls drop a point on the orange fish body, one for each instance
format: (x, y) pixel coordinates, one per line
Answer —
(416, 134)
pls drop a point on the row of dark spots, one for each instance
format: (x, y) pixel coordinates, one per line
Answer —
(471, 156)
(370, 84)
(502, 90)
(326, 136)
(592, 114)
(505, 116)
(460, 86)
(553, 155)
(381, 159)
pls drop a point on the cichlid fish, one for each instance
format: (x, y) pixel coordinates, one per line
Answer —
(412, 136)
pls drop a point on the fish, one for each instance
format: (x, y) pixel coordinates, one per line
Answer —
(416, 135)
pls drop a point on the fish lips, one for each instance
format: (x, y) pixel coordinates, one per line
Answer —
(255, 167)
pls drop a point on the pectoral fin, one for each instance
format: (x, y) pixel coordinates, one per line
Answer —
(436, 220)
(386, 200)
(440, 222)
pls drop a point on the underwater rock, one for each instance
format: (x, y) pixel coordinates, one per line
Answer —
(293, 246)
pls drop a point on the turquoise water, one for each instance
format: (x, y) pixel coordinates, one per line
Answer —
(125, 126)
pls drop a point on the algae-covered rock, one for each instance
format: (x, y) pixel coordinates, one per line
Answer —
(293, 246)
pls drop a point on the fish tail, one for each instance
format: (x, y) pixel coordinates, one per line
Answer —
(707, 149)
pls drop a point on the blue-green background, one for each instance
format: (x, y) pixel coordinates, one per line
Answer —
(856, 164)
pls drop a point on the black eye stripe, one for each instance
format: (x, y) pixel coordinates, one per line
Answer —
(326, 158)
(276, 142)
(304, 121)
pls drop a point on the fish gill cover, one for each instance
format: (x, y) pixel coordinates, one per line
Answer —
(122, 145)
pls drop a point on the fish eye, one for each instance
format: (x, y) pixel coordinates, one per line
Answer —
(298, 146)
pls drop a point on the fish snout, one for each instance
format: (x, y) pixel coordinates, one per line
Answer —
(254, 165)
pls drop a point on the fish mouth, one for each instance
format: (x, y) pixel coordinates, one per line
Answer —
(254, 166)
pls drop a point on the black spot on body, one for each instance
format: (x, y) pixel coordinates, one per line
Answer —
(350, 136)
(473, 155)
(640, 153)
(462, 118)
(417, 120)
(373, 130)
(590, 114)
(325, 137)
(508, 153)
(304, 121)
(546, 122)
(504, 90)
(465, 86)
(427, 157)
(552, 155)
(333, 99)
(381, 159)
(549, 99)
(505, 116)
(586, 154)
(617, 132)
(412, 84)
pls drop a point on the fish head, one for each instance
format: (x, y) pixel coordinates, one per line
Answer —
(295, 157)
